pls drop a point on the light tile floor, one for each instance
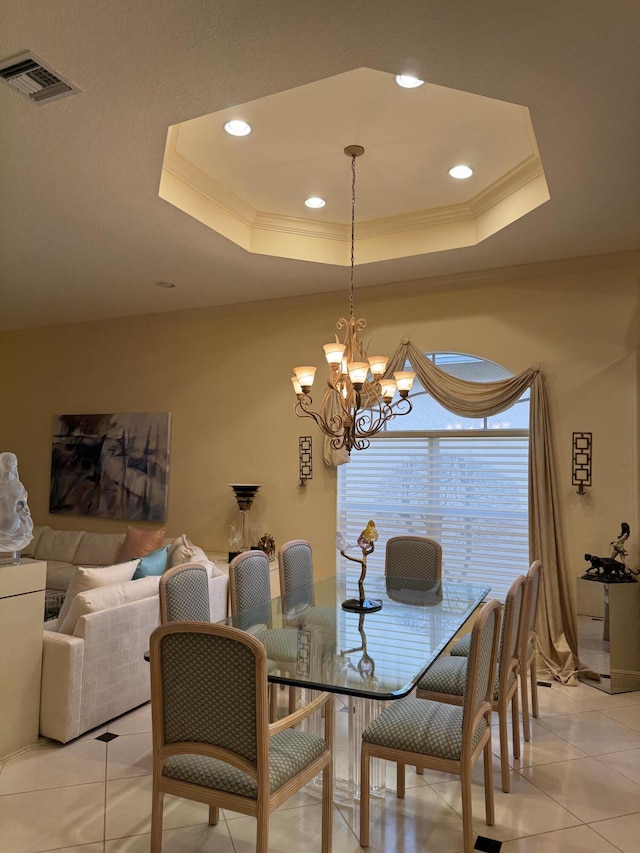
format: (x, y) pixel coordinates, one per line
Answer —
(575, 789)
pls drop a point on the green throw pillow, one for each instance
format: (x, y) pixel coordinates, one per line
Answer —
(153, 564)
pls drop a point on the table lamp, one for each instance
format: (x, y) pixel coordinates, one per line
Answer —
(245, 493)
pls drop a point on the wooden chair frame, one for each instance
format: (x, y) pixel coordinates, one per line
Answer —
(462, 768)
(529, 650)
(265, 803)
(507, 693)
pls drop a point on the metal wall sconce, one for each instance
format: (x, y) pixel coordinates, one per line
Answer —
(581, 461)
(305, 463)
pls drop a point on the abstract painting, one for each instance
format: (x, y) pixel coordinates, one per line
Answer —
(111, 466)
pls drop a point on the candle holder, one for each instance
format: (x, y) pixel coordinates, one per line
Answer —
(245, 493)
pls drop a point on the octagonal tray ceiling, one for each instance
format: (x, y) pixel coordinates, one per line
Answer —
(252, 189)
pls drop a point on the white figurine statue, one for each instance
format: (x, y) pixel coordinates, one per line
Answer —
(16, 525)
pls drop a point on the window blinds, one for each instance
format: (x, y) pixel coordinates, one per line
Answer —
(467, 489)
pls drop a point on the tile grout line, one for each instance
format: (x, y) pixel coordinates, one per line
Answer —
(547, 794)
(104, 817)
(593, 828)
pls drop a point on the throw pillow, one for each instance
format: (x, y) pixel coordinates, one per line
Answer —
(85, 579)
(180, 551)
(200, 557)
(107, 598)
(153, 564)
(139, 543)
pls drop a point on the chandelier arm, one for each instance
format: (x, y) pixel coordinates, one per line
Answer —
(369, 422)
(367, 425)
(339, 442)
(403, 406)
(330, 426)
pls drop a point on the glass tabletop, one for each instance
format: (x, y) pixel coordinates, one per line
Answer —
(379, 655)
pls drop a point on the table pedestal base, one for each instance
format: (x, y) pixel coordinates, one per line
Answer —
(351, 720)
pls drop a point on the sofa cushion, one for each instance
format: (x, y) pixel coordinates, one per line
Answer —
(139, 543)
(85, 579)
(108, 597)
(153, 565)
(99, 549)
(181, 551)
(58, 545)
(200, 557)
(59, 574)
(30, 549)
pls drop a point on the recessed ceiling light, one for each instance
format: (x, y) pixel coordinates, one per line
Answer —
(237, 127)
(408, 81)
(166, 284)
(460, 172)
(315, 202)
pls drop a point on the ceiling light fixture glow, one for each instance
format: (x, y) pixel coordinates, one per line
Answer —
(408, 81)
(461, 173)
(315, 202)
(237, 127)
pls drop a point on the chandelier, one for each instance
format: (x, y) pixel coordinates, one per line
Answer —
(359, 399)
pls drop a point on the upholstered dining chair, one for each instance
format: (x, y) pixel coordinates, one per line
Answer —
(445, 680)
(530, 647)
(439, 736)
(295, 566)
(250, 600)
(212, 741)
(416, 557)
(184, 594)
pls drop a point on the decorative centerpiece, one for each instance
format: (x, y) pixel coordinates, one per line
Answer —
(16, 525)
(366, 542)
(366, 666)
(612, 569)
(267, 544)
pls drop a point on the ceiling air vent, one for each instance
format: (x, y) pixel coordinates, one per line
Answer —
(32, 78)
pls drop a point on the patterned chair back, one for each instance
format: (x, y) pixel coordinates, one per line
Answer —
(295, 564)
(209, 686)
(184, 594)
(513, 624)
(481, 662)
(250, 589)
(415, 557)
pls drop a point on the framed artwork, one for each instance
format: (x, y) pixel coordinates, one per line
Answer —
(111, 465)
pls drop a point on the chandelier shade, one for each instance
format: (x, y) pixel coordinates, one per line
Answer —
(359, 399)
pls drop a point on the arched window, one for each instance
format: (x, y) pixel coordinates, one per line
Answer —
(461, 481)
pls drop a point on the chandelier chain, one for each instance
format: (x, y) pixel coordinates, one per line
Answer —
(353, 229)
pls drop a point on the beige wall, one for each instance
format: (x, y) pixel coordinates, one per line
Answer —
(224, 376)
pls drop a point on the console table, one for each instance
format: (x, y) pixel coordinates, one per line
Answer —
(609, 634)
(21, 616)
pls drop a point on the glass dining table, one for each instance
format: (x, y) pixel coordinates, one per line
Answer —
(369, 659)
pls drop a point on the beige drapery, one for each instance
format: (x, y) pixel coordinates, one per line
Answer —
(556, 627)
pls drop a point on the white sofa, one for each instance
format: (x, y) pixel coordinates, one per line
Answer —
(98, 671)
(63, 550)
